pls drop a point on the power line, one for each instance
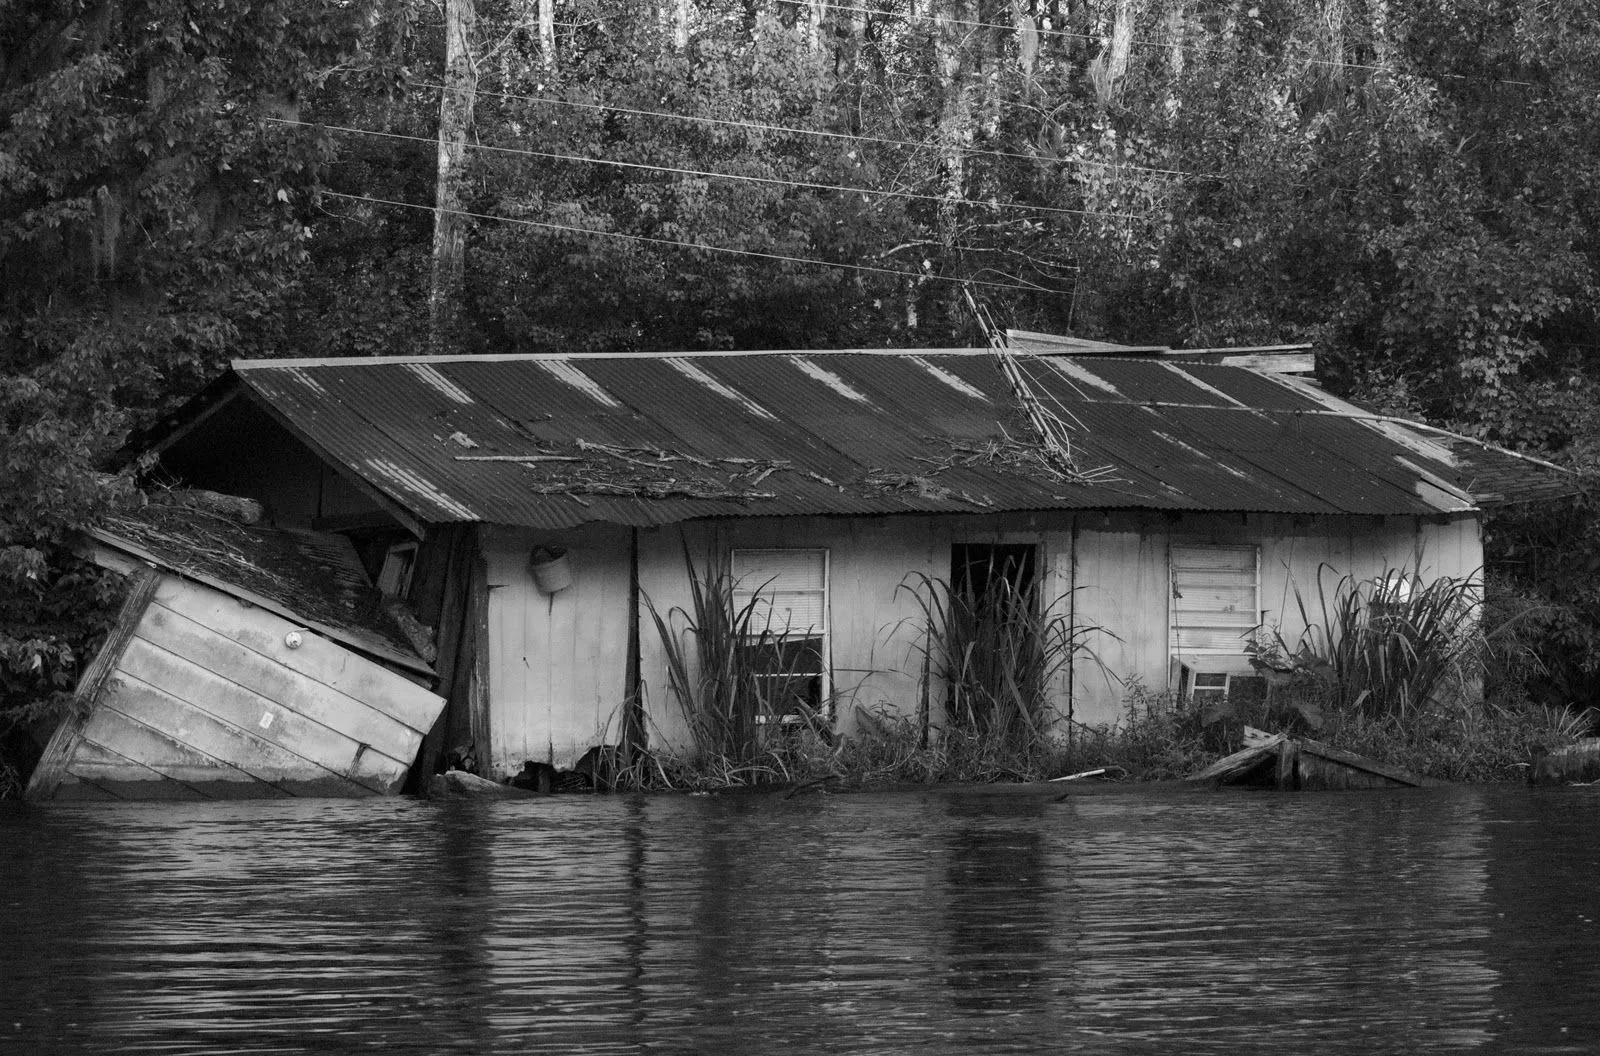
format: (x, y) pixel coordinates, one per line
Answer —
(707, 174)
(650, 239)
(791, 130)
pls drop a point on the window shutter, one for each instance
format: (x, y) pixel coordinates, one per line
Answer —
(1215, 598)
(790, 588)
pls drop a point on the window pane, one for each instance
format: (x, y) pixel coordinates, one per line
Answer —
(784, 657)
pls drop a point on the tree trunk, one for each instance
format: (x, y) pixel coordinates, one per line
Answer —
(449, 226)
(547, 33)
(955, 111)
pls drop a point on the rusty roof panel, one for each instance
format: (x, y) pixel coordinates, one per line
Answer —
(1269, 392)
(654, 440)
(1137, 382)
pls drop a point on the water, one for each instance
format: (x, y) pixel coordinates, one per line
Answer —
(929, 923)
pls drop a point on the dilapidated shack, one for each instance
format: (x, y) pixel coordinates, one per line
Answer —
(247, 662)
(533, 508)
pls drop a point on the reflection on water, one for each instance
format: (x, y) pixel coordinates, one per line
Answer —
(941, 922)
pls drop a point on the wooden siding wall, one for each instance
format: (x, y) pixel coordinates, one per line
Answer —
(874, 626)
(559, 663)
(1123, 582)
(207, 701)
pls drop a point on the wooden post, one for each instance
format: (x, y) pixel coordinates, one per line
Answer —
(452, 549)
(64, 742)
(1288, 775)
(635, 737)
(477, 717)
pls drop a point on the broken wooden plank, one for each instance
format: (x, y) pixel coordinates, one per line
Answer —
(1360, 762)
(1240, 762)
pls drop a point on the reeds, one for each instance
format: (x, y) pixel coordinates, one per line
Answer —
(734, 679)
(1393, 645)
(998, 656)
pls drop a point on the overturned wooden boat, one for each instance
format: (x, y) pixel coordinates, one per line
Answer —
(1280, 761)
(245, 663)
(1573, 764)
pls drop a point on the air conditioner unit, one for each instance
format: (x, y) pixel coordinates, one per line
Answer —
(1200, 684)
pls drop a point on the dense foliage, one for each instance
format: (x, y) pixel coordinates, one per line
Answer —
(1407, 183)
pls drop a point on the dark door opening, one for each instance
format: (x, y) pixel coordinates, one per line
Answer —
(996, 576)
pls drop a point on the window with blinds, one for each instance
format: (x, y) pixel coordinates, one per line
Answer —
(1215, 598)
(786, 592)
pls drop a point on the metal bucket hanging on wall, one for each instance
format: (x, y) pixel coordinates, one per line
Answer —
(552, 572)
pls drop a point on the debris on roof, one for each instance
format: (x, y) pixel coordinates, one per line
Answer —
(556, 441)
(309, 576)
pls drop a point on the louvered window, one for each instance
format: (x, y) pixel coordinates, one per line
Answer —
(1215, 599)
(786, 593)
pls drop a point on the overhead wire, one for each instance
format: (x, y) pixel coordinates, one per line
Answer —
(706, 247)
(758, 126)
(709, 174)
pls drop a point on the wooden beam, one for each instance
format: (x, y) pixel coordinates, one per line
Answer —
(1360, 762)
(194, 423)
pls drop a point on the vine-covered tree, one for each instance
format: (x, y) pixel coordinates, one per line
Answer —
(152, 219)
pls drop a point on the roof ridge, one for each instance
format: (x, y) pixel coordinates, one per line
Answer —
(535, 357)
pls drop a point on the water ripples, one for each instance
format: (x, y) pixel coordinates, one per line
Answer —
(941, 922)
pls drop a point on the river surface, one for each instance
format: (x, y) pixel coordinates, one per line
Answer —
(939, 922)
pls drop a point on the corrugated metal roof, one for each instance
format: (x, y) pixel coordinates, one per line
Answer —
(556, 441)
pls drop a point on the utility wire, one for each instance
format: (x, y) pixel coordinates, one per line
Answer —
(791, 130)
(767, 180)
(652, 240)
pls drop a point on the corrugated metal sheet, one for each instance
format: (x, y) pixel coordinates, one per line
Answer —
(781, 433)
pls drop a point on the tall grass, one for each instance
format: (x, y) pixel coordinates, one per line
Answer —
(999, 657)
(732, 678)
(1390, 646)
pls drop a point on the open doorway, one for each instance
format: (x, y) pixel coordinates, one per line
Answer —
(996, 659)
(996, 576)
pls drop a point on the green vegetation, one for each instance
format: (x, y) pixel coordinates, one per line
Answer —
(1389, 668)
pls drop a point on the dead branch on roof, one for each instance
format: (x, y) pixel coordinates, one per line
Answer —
(666, 490)
(644, 473)
(1007, 452)
(232, 507)
(924, 487)
(1052, 432)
